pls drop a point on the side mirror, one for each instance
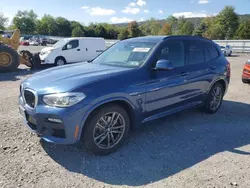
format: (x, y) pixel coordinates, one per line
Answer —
(163, 64)
(69, 46)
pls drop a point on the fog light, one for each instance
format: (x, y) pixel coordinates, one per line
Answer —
(54, 120)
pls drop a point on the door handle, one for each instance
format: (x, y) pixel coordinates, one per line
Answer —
(185, 73)
(78, 50)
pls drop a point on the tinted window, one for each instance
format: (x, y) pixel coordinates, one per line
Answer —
(74, 43)
(195, 53)
(174, 52)
(212, 51)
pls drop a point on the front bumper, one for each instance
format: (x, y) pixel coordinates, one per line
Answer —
(38, 121)
(45, 60)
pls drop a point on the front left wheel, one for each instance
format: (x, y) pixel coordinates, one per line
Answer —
(106, 129)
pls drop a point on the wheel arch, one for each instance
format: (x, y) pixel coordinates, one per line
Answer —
(221, 81)
(124, 103)
(58, 57)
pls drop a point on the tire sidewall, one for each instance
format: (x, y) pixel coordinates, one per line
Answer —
(60, 58)
(208, 100)
(87, 137)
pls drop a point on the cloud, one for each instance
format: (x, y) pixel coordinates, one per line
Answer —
(160, 12)
(192, 14)
(131, 10)
(146, 11)
(132, 4)
(203, 1)
(84, 7)
(142, 19)
(141, 3)
(120, 20)
(98, 11)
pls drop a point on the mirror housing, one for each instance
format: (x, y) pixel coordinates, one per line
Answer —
(163, 64)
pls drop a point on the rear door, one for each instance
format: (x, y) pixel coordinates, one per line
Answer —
(200, 72)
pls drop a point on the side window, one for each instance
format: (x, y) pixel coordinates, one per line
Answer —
(213, 51)
(195, 53)
(71, 45)
(173, 51)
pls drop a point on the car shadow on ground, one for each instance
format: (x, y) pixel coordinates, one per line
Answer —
(162, 148)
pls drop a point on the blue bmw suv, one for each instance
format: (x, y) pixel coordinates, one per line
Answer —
(136, 80)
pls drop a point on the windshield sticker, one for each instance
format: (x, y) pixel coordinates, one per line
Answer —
(141, 49)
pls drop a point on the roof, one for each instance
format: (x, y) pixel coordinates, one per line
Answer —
(79, 38)
(161, 38)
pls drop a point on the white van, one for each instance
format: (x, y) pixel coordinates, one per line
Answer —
(72, 50)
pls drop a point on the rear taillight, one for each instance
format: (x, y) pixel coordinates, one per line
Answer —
(228, 69)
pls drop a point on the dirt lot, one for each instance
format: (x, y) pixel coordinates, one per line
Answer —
(189, 149)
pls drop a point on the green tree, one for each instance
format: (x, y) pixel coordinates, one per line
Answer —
(47, 26)
(123, 34)
(151, 27)
(244, 30)
(187, 28)
(78, 32)
(228, 21)
(200, 30)
(25, 21)
(133, 29)
(3, 21)
(63, 27)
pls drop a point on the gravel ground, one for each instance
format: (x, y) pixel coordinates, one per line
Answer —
(188, 149)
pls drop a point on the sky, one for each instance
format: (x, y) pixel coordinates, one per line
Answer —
(120, 11)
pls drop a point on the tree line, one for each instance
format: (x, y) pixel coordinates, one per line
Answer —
(225, 25)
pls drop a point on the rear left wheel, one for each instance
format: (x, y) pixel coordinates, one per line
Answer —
(106, 130)
(214, 99)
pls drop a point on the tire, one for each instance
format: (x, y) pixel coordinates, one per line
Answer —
(10, 56)
(245, 81)
(230, 53)
(36, 61)
(91, 129)
(208, 107)
(60, 61)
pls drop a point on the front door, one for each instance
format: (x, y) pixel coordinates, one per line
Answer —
(166, 89)
(72, 52)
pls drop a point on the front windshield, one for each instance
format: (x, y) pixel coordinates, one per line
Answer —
(60, 43)
(126, 54)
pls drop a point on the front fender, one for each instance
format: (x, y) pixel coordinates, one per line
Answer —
(97, 103)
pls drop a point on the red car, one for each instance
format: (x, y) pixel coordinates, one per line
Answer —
(25, 43)
(246, 73)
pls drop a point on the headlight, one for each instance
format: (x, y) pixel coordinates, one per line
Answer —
(63, 99)
(46, 52)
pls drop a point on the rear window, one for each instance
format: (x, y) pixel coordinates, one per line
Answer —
(213, 52)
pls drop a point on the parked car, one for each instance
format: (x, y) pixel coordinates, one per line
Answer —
(72, 50)
(246, 73)
(43, 42)
(34, 43)
(25, 43)
(227, 51)
(135, 81)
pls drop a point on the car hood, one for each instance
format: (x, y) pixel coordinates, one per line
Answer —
(68, 77)
(47, 49)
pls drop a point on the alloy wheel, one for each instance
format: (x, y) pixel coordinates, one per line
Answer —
(109, 130)
(216, 96)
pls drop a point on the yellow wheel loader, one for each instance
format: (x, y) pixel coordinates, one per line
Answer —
(10, 59)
